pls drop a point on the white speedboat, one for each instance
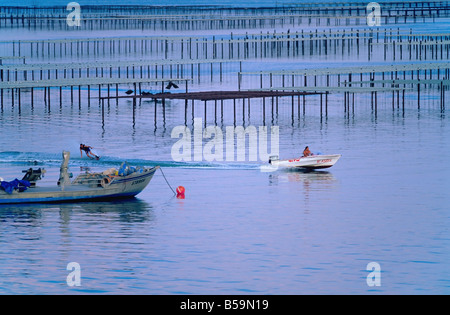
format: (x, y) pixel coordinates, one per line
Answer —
(306, 162)
(112, 183)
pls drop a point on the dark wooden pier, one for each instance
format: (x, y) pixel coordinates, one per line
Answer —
(217, 96)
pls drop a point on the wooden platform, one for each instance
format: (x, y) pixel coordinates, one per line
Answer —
(215, 95)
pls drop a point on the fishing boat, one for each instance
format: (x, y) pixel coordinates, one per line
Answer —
(311, 162)
(112, 183)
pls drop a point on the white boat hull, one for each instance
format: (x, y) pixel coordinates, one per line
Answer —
(309, 162)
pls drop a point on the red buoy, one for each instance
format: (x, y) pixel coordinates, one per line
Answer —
(180, 192)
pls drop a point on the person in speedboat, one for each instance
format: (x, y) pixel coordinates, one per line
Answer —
(87, 150)
(306, 152)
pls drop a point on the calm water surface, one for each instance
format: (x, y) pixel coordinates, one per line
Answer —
(239, 230)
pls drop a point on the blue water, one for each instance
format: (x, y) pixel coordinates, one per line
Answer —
(239, 230)
(273, 233)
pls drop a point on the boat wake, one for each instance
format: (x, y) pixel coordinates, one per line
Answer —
(48, 159)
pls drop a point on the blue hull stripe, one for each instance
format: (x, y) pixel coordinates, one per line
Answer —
(60, 199)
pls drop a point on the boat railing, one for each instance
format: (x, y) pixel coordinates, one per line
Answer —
(105, 178)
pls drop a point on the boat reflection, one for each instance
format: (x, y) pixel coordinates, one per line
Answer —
(299, 175)
(312, 181)
(125, 210)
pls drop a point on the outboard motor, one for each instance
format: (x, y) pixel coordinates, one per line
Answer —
(33, 176)
(273, 158)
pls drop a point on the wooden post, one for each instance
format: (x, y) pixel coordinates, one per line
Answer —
(418, 95)
(156, 101)
(205, 112)
(185, 111)
(89, 95)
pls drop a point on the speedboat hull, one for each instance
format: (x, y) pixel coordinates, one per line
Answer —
(113, 187)
(310, 162)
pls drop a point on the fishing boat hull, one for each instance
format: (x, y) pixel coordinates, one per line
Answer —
(114, 187)
(310, 162)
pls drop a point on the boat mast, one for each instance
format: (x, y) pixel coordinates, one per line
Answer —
(64, 178)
